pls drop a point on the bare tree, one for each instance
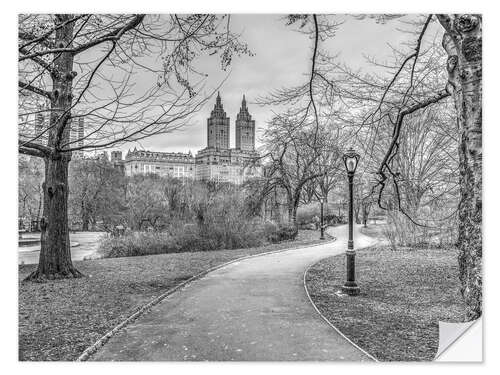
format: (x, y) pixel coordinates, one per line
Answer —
(422, 77)
(463, 44)
(462, 41)
(302, 150)
(327, 166)
(146, 202)
(30, 191)
(292, 151)
(405, 95)
(93, 67)
(95, 191)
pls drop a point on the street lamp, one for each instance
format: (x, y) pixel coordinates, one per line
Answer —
(321, 222)
(350, 287)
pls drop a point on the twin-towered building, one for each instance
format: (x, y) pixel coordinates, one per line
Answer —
(216, 162)
(218, 128)
(219, 162)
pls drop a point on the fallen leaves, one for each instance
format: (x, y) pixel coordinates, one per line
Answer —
(403, 296)
(58, 320)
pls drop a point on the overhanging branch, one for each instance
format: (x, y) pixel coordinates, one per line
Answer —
(114, 35)
(34, 89)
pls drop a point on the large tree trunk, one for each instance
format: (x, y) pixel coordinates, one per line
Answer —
(55, 256)
(293, 204)
(463, 43)
(292, 213)
(294, 216)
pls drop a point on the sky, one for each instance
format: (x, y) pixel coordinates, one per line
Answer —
(281, 58)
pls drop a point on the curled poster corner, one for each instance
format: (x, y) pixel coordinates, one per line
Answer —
(467, 344)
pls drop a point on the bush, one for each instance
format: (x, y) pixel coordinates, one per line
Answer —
(306, 213)
(134, 244)
(332, 219)
(151, 243)
(279, 232)
(401, 231)
(192, 238)
(217, 218)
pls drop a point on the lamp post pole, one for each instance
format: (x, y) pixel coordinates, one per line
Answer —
(351, 287)
(321, 222)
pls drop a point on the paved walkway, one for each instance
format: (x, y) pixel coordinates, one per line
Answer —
(252, 310)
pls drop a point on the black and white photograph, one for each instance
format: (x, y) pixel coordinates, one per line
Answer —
(248, 187)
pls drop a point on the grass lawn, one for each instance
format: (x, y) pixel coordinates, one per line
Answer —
(404, 294)
(58, 320)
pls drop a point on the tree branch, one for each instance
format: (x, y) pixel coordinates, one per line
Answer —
(31, 148)
(34, 89)
(114, 35)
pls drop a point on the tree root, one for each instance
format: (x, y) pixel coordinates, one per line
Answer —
(42, 277)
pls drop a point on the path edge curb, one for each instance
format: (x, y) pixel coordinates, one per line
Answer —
(324, 317)
(92, 349)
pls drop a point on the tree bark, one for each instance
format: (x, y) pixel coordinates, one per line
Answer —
(463, 43)
(294, 216)
(293, 204)
(292, 213)
(55, 255)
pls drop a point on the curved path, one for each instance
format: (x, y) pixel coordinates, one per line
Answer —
(252, 310)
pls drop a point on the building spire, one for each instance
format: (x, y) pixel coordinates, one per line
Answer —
(245, 128)
(244, 109)
(218, 110)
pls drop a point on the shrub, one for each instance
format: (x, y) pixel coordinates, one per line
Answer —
(150, 243)
(280, 232)
(219, 219)
(136, 243)
(332, 219)
(401, 231)
(270, 229)
(306, 213)
(192, 238)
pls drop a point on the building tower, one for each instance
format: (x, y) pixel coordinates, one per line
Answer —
(117, 161)
(81, 131)
(77, 134)
(40, 134)
(218, 127)
(245, 129)
(116, 156)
